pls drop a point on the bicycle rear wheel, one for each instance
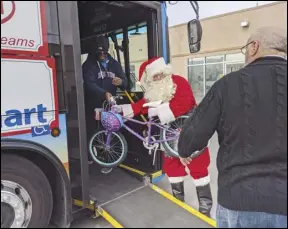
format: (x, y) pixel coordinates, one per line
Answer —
(111, 155)
(171, 146)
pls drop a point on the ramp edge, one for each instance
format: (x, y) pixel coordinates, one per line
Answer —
(109, 218)
(188, 208)
(132, 170)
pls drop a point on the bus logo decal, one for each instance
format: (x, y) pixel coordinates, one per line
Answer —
(8, 9)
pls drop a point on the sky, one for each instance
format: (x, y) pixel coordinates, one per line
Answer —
(206, 9)
(183, 12)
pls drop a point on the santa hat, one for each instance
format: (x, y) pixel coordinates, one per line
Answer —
(152, 67)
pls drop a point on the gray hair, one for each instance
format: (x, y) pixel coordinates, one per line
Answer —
(272, 40)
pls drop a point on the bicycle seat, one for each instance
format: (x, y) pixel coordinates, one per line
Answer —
(152, 104)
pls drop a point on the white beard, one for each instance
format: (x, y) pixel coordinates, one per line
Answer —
(163, 90)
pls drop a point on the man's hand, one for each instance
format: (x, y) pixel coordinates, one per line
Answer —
(185, 161)
(108, 96)
(117, 81)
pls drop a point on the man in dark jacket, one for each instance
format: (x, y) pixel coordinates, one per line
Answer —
(248, 109)
(102, 76)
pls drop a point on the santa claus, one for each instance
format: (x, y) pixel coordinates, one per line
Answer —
(177, 99)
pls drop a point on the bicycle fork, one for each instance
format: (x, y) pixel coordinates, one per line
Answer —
(149, 131)
(150, 139)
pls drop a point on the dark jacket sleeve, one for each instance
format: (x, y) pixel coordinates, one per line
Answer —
(91, 83)
(120, 73)
(202, 124)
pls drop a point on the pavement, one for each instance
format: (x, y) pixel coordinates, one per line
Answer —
(190, 192)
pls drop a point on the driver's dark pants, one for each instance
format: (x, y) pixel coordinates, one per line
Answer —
(198, 170)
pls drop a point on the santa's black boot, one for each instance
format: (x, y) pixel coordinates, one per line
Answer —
(178, 190)
(204, 199)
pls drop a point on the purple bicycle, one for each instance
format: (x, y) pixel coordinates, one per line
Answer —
(108, 147)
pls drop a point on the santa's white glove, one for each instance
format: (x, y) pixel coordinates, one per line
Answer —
(152, 112)
(117, 108)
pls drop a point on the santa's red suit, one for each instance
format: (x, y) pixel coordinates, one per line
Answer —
(177, 99)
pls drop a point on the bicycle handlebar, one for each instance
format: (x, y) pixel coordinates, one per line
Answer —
(113, 100)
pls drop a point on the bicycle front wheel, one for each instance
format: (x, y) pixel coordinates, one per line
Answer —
(111, 154)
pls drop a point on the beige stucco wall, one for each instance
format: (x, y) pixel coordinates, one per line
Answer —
(223, 34)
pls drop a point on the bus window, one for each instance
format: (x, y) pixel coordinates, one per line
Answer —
(138, 50)
(83, 58)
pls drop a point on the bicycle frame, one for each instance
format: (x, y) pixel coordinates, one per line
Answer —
(150, 123)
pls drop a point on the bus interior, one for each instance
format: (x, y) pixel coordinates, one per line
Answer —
(125, 34)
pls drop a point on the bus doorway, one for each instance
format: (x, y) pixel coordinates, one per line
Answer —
(118, 195)
(132, 40)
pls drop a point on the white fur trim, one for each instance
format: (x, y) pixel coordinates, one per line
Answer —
(156, 67)
(127, 110)
(165, 114)
(202, 181)
(174, 180)
(209, 143)
(168, 70)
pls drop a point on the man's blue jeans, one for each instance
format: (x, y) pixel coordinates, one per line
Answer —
(226, 218)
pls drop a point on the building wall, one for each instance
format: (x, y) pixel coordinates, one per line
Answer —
(222, 34)
(221, 44)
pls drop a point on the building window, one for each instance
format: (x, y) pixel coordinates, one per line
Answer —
(234, 62)
(204, 72)
(232, 67)
(196, 74)
(195, 78)
(196, 61)
(214, 59)
(213, 72)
